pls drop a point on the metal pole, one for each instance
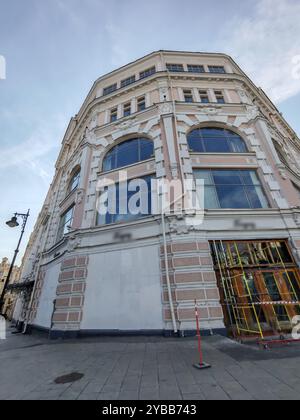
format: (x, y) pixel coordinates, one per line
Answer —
(198, 334)
(168, 274)
(25, 218)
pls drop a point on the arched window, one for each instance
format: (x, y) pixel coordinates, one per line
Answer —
(74, 180)
(128, 153)
(215, 140)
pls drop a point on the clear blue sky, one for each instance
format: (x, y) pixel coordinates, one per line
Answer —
(55, 49)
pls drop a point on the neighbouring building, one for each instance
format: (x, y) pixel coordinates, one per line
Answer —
(10, 298)
(173, 116)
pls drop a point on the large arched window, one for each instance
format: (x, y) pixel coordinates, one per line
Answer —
(128, 153)
(215, 140)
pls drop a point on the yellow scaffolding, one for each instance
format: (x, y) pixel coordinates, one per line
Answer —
(243, 305)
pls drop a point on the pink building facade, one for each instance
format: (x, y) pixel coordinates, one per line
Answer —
(170, 116)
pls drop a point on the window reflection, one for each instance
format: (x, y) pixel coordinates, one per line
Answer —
(215, 140)
(231, 189)
(128, 153)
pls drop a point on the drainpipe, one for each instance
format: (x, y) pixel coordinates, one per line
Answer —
(163, 224)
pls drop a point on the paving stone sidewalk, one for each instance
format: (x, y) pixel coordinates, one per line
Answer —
(140, 368)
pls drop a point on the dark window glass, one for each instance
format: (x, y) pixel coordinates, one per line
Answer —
(274, 293)
(216, 69)
(74, 182)
(114, 115)
(293, 284)
(196, 145)
(147, 73)
(110, 89)
(220, 97)
(216, 140)
(196, 69)
(220, 100)
(65, 223)
(141, 104)
(281, 253)
(110, 161)
(127, 81)
(232, 196)
(227, 177)
(188, 96)
(232, 189)
(127, 110)
(216, 146)
(146, 149)
(175, 67)
(122, 212)
(128, 153)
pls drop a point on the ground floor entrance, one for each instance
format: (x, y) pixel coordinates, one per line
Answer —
(259, 284)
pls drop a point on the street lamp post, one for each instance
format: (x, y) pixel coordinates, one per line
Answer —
(13, 223)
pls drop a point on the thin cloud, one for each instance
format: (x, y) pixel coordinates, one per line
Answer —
(266, 44)
(44, 140)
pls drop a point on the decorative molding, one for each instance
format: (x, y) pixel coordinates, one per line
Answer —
(79, 196)
(296, 217)
(73, 243)
(166, 108)
(124, 125)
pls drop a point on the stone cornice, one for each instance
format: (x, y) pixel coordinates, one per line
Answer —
(262, 100)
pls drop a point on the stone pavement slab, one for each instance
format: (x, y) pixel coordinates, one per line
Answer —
(146, 368)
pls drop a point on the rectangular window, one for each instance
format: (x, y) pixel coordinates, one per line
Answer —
(141, 104)
(128, 81)
(217, 69)
(188, 96)
(175, 67)
(232, 189)
(127, 109)
(147, 72)
(127, 201)
(220, 97)
(195, 68)
(66, 222)
(204, 96)
(113, 114)
(110, 89)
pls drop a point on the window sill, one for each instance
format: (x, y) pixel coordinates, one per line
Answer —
(252, 154)
(231, 210)
(127, 223)
(124, 168)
